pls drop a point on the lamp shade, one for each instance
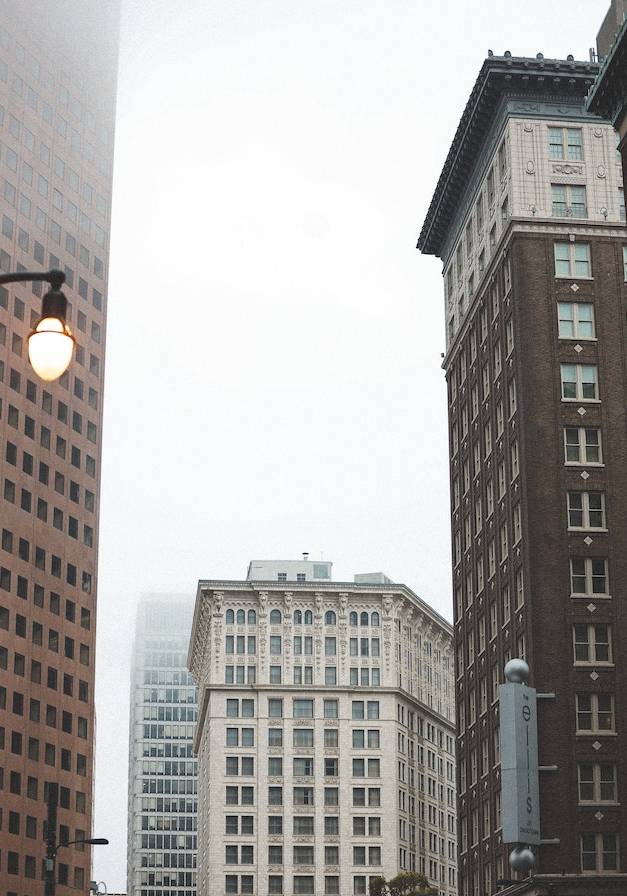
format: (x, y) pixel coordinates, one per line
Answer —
(50, 348)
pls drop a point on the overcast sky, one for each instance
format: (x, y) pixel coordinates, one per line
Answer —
(273, 378)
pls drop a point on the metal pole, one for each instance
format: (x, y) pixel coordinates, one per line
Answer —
(51, 839)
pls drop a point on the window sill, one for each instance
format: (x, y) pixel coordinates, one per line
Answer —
(582, 463)
(581, 400)
(577, 529)
(571, 276)
(598, 803)
(577, 339)
(600, 664)
(596, 733)
(591, 596)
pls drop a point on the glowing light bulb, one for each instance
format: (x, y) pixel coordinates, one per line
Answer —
(50, 347)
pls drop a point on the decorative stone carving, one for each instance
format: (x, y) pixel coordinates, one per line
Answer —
(530, 167)
(601, 172)
(565, 168)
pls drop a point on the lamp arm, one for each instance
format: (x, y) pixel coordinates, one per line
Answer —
(55, 278)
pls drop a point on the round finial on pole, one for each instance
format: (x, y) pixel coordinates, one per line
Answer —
(517, 672)
(521, 859)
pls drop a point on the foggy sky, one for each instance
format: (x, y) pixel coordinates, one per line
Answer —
(273, 380)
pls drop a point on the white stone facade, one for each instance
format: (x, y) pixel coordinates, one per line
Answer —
(332, 760)
(514, 183)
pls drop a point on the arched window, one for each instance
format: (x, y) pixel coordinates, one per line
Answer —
(230, 617)
(275, 617)
(352, 619)
(252, 617)
(308, 617)
(329, 618)
(241, 617)
(298, 617)
(363, 619)
(374, 620)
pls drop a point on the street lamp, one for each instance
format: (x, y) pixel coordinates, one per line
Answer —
(51, 856)
(51, 343)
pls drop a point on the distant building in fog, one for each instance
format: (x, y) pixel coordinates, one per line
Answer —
(161, 857)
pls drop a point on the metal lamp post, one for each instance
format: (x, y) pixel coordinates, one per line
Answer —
(52, 847)
(50, 343)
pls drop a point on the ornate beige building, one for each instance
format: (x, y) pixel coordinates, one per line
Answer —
(325, 737)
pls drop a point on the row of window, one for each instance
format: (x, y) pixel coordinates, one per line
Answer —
(588, 578)
(303, 825)
(50, 753)
(22, 90)
(301, 885)
(302, 675)
(301, 796)
(302, 737)
(45, 439)
(32, 66)
(301, 617)
(54, 602)
(55, 570)
(302, 767)
(55, 642)
(301, 708)
(28, 786)
(242, 854)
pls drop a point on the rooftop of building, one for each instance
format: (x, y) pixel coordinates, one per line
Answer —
(498, 76)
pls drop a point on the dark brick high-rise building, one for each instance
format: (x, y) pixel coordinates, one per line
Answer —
(58, 65)
(528, 219)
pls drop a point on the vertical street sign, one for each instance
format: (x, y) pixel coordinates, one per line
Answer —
(520, 803)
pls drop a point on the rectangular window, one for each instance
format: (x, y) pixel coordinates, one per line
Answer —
(588, 576)
(599, 852)
(597, 782)
(573, 260)
(592, 643)
(569, 201)
(595, 713)
(586, 510)
(579, 382)
(303, 709)
(582, 445)
(566, 143)
(575, 320)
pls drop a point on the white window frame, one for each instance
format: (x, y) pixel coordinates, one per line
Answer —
(585, 508)
(588, 565)
(565, 143)
(570, 250)
(599, 853)
(582, 447)
(596, 781)
(576, 321)
(594, 713)
(591, 643)
(579, 382)
(567, 207)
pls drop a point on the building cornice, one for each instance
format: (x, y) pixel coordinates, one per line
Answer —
(498, 76)
(212, 593)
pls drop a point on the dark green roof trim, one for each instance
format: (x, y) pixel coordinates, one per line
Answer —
(608, 95)
(499, 75)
